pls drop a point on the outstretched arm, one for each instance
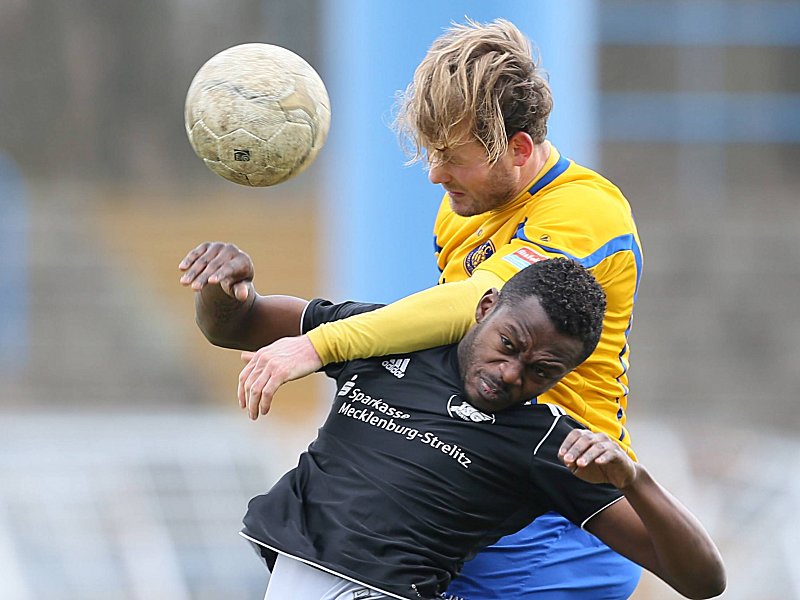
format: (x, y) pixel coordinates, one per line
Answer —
(228, 310)
(231, 314)
(649, 525)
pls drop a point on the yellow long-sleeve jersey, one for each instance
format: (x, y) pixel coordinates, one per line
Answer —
(568, 211)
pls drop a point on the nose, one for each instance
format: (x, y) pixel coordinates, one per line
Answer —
(438, 174)
(511, 373)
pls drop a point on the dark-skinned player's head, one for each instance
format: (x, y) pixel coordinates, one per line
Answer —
(545, 322)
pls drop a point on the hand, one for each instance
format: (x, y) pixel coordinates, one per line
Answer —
(596, 458)
(270, 367)
(218, 263)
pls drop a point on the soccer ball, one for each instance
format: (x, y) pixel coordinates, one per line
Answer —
(257, 114)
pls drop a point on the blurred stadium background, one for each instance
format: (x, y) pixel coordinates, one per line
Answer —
(124, 464)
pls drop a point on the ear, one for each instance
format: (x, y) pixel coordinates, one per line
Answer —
(520, 147)
(487, 304)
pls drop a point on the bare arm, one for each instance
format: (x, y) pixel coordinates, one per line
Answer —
(649, 525)
(231, 314)
(228, 310)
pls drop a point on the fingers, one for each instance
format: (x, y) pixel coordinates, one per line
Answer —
(582, 447)
(266, 370)
(596, 458)
(572, 447)
(196, 262)
(192, 256)
(218, 263)
(258, 382)
(241, 290)
(260, 388)
(241, 390)
(263, 401)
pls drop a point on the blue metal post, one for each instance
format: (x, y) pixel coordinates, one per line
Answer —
(14, 266)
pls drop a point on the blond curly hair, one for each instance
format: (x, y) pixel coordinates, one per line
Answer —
(478, 82)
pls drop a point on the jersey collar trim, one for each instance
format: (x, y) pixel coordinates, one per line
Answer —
(561, 165)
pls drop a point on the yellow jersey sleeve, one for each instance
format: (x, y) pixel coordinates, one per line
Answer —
(433, 317)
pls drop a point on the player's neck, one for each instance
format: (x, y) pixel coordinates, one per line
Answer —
(533, 167)
(527, 172)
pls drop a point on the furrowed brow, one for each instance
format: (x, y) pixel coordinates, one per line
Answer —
(520, 336)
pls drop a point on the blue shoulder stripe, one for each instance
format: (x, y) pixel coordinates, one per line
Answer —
(623, 243)
(556, 170)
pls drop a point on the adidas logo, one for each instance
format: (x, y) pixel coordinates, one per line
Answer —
(396, 366)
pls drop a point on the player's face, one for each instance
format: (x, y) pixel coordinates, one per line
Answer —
(474, 186)
(513, 355)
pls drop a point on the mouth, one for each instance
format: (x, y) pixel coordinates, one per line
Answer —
(454, 194)
(491, 392)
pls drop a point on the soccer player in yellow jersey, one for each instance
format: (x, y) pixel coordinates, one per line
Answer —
(566, 210)
(477, 111)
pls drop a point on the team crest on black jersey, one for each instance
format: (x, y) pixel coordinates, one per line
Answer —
(462, 409)
(477, 255)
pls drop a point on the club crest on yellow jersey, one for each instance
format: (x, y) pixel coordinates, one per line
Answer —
(477, 255)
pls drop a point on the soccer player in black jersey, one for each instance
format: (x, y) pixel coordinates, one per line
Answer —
(428, 457)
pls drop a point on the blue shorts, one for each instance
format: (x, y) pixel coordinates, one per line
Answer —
(550, 559)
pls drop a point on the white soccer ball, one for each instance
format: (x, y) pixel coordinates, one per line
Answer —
(257, 114)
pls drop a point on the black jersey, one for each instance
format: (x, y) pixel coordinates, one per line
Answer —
(406, 480)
